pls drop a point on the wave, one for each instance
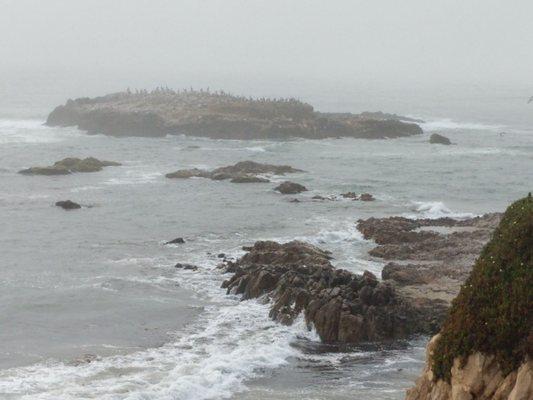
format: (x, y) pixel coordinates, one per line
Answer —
(134, 178)
(446, 123)
(212, 358)
(434, 210)
(26, 131)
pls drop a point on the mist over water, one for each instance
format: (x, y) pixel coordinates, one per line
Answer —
(100, 281)
(91, 305)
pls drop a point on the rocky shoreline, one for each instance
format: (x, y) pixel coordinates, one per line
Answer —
(221, 116)
(412, 297)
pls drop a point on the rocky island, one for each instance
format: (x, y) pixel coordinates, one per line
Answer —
(220, 115)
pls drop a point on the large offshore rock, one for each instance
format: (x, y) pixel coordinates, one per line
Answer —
(221, 116)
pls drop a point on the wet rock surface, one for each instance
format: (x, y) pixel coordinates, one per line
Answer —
(343, 307)
(242, 172)
(428, 258)
(221, 116)
(70, 165)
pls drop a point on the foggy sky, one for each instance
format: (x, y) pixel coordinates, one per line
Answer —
(374, 40)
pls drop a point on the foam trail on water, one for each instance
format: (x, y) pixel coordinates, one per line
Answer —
(231, 342)
(26, 131)
(440, 124)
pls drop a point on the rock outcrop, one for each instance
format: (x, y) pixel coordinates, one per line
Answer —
(68, 205)
(428, 258)
(242, 172)
(343, 307)
(439, 139)
(70, 165)
(485, 347)
(219, 115)
(288, 187)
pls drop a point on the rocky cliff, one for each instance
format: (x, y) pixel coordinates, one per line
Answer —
(485, 347)
(218, 115)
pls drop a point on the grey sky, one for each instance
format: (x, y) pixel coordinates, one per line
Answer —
(388, 40)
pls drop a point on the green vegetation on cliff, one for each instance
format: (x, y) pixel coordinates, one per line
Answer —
(493, 313)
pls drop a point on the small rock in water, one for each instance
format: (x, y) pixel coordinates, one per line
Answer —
(350, 195)
(186, 266)
(439, 139)
(288, 187)
(366, 197)
(176, 241)
(295, 201)
(68, 205)
(221, 255)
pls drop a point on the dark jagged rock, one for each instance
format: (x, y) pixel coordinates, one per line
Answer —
(347, 195)
(176, 241)
(70, 165)
(242, 172)
(68, 205)
(366, 197)
(342, 306)
(220, 115)
(485, 347)
(288, 187)
(439, 139)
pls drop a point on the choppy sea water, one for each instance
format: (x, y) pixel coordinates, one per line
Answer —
(100, 281)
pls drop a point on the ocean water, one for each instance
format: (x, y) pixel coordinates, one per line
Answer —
(99, 284)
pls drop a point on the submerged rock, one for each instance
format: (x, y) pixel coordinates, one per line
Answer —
(69, 165)
(190, 267)
(176, 241)
(67, 205)
(484, 349)
(349, 195)
(249, 179)
(45, 171)
(439, 139)
(220, 116)
(188, 173)
(288, 187)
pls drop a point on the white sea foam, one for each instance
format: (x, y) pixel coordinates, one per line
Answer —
(441, 124)
(26, 131)
(233, 341)
(348, 233)
(434, 210)
(133, 177)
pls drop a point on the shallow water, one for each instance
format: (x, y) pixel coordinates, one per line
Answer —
(99, 280)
